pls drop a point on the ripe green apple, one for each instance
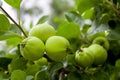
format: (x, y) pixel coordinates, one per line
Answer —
(32, 48)
(42, 31)
(84, 57)
(56, 47)
(102, 41)
(99, 53)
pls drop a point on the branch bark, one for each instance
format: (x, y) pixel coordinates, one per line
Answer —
(19, 26)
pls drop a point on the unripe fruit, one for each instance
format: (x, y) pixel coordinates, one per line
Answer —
(32, 48)
(99, 53)
(102, 41)
(42, 61)
(42, 31)
(56, 47)
(84, 58)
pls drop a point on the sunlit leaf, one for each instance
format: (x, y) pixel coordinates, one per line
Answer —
(69, 30)
(4, 24)
(42, 19)
(88, 14)
(8, 35)
(83, 5)
(14, 3)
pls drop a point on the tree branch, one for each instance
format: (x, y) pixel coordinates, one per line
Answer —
(19, 26)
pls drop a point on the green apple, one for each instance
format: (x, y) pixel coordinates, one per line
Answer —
(56, 47)
(32, 48)
(42, 31)
(99, 53)
(84, 57)
(102, 41)
(42, 61)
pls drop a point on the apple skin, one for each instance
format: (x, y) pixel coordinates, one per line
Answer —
(100, 54)
(56, 48)
(102, 41)
(42, 31)
(32, 48)
(84, 58)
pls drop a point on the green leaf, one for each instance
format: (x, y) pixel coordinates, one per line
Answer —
(101, 75)
(13, 41)
(117, 63)
(4, 62)
(8, 35)
(83, 5)
(118, 1)
(14, 3)
(4, 24)
(75, 17)
(18, 75)
(55, 66)
(88, 14)
(18, 63)
(4, 76)
(114, 35)
(43, 19)
(73, 76)
(42, 75)
(69, 30)
(32, 69)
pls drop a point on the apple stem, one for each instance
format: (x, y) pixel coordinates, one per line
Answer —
(18, 25)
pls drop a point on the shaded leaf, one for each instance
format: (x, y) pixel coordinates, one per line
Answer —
(18, 63)
(4, 62)
(75, 17)
(42, 75)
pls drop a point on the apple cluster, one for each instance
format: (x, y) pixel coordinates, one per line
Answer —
(42, 40)
(95, 54)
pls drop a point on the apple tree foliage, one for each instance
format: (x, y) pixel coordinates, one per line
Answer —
(87, 20)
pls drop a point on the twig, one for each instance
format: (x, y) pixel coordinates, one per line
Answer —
(19, 26)
(61, 75)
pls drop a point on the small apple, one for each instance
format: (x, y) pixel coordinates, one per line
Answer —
(99, 53)
(56, 47)
(32, 48)
(42, 61)
(42, 31)
(84, 57)
(102, 41)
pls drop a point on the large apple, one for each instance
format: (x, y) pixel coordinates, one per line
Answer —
(56, 47)
(99, 53)
(42, 31)
(32, 48)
